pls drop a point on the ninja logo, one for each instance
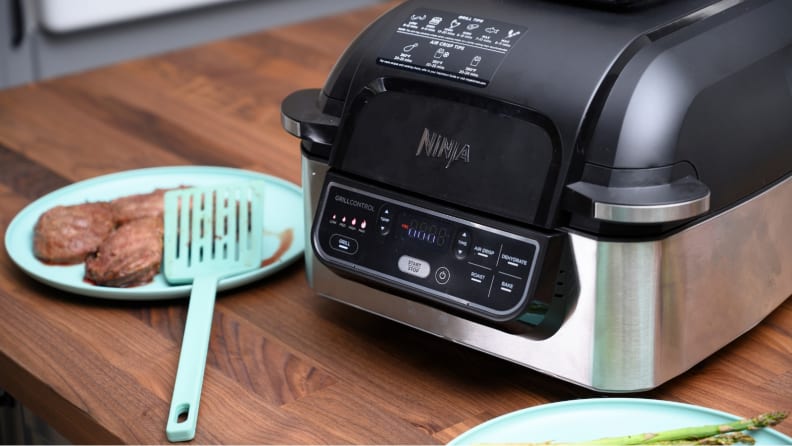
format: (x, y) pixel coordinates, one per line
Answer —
(436, 145)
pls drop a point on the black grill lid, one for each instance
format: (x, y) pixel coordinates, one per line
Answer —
(724, 63)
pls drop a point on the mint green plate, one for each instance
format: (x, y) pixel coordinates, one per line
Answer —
(589, 419)
(283, 240)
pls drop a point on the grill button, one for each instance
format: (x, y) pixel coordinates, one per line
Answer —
(342, 243)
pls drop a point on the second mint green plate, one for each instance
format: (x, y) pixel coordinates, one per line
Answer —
(590, 419)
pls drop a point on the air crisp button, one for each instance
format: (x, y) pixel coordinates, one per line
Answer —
(485, 253)
(414, 267)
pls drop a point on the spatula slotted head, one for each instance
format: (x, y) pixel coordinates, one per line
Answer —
(212, 231)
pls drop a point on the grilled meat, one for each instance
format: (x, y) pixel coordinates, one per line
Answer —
(65, 235)
(132, 207)
(130, 256)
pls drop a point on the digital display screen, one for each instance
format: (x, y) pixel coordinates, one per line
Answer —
(423, 230)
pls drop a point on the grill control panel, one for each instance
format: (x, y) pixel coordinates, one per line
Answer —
(381, 236)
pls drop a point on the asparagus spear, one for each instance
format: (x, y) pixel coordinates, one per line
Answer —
(721, 439)
(729, 438)
(697, 432)
(727, 433)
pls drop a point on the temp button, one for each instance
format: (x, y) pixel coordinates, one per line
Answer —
(414, 267)
(385, 219)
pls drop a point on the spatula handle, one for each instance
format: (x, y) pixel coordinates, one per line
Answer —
(183, 415)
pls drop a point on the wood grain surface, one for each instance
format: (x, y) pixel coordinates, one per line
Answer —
(284, 365)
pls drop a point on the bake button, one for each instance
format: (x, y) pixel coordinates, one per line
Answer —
(344, 244)
(442, 275)
(506, 291)
(414, 267)
(507, 285)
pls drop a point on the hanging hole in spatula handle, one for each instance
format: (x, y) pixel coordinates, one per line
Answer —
(182, 413)
(180, 426)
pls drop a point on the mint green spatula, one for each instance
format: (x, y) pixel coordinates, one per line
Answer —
(209, 233)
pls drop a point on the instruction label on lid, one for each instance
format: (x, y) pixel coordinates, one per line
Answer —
(450, 45)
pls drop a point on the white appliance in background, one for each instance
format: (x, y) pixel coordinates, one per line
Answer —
(63, 16)
(42, 39)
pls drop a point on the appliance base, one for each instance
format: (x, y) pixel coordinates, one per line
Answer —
(644, 313)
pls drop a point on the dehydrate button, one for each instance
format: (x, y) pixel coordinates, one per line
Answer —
(516, 259)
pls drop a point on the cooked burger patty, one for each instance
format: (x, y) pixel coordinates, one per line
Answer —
(130, 256)
(132, 207)
(65, 235)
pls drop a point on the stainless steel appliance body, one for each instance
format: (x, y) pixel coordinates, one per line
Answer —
(646, 311)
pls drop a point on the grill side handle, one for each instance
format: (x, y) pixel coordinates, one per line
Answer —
(304, 114)
(639, 196)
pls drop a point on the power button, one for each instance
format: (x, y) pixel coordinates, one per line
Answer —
(442, 275)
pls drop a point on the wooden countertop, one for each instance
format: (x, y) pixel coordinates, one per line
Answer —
(284, 366)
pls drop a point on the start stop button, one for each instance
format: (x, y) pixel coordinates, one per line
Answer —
(414, 267)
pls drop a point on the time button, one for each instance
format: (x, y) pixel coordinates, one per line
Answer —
(462, 244)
